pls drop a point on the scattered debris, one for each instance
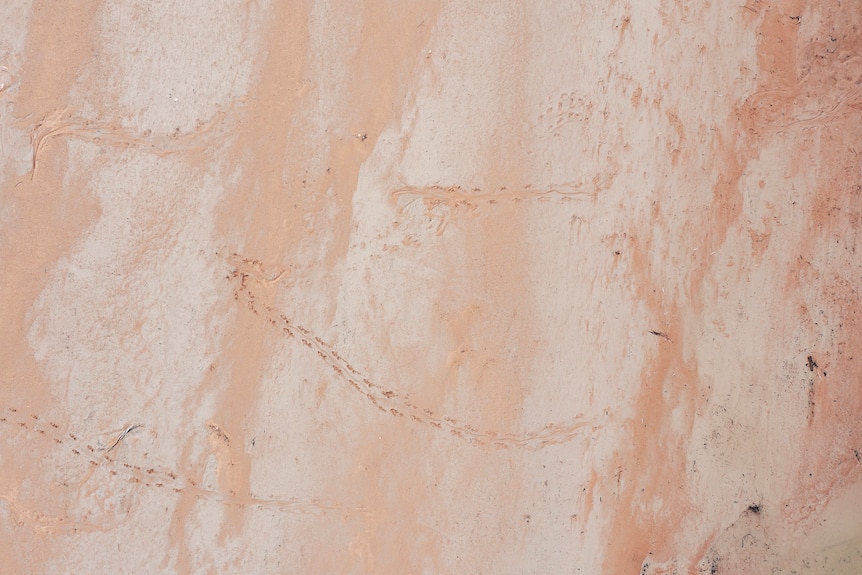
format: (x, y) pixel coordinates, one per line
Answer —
(121, 436)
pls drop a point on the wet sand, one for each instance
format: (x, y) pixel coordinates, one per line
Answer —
(430, 287)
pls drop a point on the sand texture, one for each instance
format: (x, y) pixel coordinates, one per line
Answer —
(431, 287)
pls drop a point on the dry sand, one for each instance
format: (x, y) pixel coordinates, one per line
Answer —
(430, 287)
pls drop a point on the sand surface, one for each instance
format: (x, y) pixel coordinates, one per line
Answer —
(431, 287)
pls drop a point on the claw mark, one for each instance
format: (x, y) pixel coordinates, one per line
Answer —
(763, 105)
(151, 476)
(440, 202)
(254, 268)
(219, 434)
(569, 107)
(62, 123)
(391, 402)
(458, 196)
(43, 523)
